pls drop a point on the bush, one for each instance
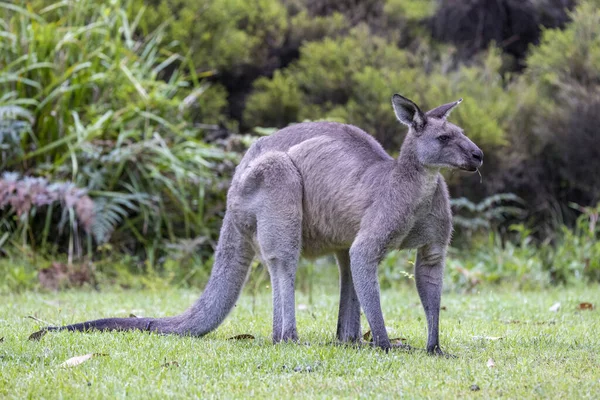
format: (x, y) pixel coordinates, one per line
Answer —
(351, 79)
(576, 256)
(88, 106)
(554, 155)
(569, 56)
(219, 34)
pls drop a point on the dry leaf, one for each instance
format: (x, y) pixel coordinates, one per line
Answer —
(585, 306)
(367, 337)
(489, 337)
(397, 340)
(555, 307)
(491, 363)
(38, 335)
(75, 361)
(39, 320)
(244, 336)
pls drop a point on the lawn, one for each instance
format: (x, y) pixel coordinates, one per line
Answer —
(536, 352)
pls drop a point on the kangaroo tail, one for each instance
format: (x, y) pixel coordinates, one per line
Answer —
(232, 262)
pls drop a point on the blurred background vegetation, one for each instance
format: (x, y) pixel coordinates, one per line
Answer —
(121, 122)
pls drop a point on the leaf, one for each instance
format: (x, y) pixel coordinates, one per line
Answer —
(555, 307)
(132, 315)
(35, 336)
(585, 306)
(493, 338)
(244, 336)
(38, 320)
(491, 363)
(1, 339)
(367, 337)
(443, 308)
(398, 340)
(75, 361)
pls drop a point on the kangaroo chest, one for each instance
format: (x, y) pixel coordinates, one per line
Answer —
(422, 226)
(422, 229)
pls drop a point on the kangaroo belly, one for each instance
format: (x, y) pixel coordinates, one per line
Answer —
(335, 195)
(331, 217)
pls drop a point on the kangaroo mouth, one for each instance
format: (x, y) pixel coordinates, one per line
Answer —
(468, 168)
(471, 167)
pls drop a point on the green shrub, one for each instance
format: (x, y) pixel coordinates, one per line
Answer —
(554, 156)
(569, 56)
(410, 9)
(351, 79)
(89, 107)
(304, 27)
(276, 102)
(576, 255)
(219, 34)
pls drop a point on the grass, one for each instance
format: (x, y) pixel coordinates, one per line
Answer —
(541, 353)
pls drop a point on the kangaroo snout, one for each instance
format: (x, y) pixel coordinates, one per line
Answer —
(476, 160)
(477, 155)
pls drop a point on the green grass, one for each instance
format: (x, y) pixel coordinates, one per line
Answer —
(542, 353)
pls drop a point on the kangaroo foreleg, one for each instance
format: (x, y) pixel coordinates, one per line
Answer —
(364, 259)
(429, 270)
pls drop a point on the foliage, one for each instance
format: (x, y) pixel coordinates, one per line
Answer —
(121, 102)
(348, 79)
(553, 159)
(576, 256)
(304, 27)
(516, 263)
(470, 217)
(568, 56)
(410, 9)
(135, 151)
(219, 34)
(276, 101)
(29, 201)
(486, 256)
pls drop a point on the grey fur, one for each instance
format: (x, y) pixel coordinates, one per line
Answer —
(319, 188)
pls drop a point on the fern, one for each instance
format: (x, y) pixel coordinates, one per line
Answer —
(472, 216)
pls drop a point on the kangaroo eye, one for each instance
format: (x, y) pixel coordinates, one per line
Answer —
(443, 138)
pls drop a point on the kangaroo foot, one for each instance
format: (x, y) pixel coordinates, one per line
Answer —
(437, 351)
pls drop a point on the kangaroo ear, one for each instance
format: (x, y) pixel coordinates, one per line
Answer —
(408, 112)
(443, 111)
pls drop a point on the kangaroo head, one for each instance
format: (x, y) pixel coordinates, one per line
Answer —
(436, 142)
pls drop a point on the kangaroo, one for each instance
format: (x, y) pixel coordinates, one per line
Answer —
(318, 188)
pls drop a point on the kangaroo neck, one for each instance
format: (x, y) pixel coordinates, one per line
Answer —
(410, 168)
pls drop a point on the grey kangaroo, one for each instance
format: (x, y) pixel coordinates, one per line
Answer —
(319, 188)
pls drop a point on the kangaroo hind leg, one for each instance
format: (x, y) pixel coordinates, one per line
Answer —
(348, 327)
(278, 206)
